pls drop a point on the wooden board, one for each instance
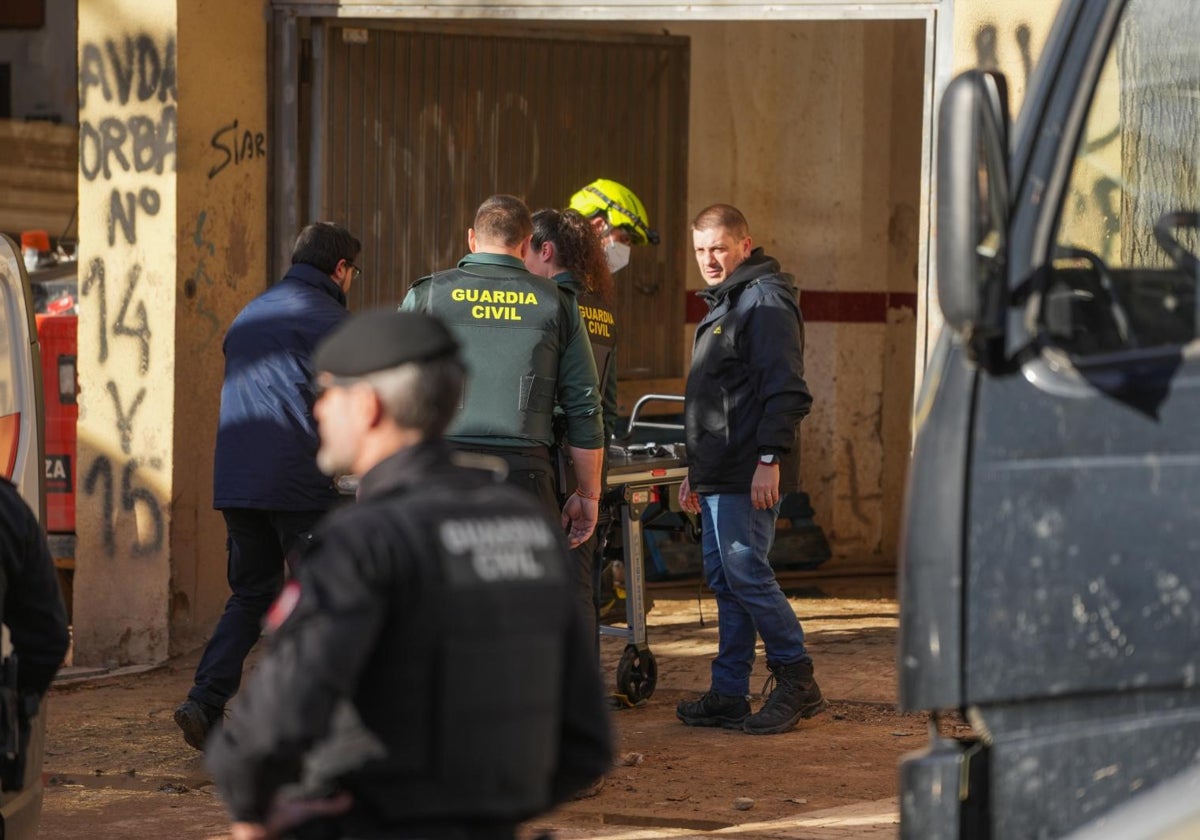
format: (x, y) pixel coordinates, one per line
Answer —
(629, 390)
(39, 177)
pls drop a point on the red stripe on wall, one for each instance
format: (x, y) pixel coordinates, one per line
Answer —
(831, 307)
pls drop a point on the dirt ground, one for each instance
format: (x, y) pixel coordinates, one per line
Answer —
(117, 767)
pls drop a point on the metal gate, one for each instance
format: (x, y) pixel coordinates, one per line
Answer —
(410, 126)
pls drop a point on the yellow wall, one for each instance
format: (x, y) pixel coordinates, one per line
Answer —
(1005, 35)
(157, 289)
(222, 263)
(127, 189)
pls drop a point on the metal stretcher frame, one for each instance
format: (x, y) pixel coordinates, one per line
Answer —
(633, 471)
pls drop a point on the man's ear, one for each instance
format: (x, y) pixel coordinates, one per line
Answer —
(372, 407)
(546, 252)
(526, 244)
(747, 246)
(471, 239)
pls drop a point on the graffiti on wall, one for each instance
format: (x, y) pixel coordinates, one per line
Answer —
(200, 287)
(1096, 197)
(236, 146)
(989, 40)
(127, 138)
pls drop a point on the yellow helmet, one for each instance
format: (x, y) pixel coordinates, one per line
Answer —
(619, 206)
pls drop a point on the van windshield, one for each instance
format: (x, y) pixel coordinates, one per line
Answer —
(1125, 264)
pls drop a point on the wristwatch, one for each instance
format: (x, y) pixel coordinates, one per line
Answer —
(769, 459)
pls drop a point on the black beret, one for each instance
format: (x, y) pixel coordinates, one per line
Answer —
(382, 339)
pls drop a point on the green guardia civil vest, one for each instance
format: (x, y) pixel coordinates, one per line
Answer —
(598, 320)
(510, 328)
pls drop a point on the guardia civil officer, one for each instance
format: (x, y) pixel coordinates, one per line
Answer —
(567, 249)
(32, 608)
(617, 218)
(429, 673)
(526, 349)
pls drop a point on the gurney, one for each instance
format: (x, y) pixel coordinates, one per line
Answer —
(640, 474)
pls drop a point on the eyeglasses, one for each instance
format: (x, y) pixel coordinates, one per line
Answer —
(356, 271)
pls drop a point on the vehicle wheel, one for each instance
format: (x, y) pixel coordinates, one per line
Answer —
(637, 674)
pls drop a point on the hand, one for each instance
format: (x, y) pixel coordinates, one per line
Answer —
(688, 500)
(764, 487)
(289, 813)
(581, 515)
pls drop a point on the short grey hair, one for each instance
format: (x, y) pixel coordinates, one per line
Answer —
(423, 396)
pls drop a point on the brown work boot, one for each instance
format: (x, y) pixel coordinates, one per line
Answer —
(795, 695)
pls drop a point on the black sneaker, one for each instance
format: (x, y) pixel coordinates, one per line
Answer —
(713, 709)
(795, 695)
(196, 719)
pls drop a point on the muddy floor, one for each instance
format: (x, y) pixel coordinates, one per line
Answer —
(116, 766)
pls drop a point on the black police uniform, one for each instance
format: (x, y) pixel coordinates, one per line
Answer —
(434, 660)
(33, 605)
(37, 622)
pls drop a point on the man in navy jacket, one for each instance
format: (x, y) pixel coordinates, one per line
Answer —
(746, 396)
(266, 481)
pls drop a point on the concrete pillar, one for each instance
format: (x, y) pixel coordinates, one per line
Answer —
(172, 228)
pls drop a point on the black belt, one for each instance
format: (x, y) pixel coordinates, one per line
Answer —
(540, 453)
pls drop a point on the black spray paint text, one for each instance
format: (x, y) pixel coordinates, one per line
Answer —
(136, 143)
(138, 69)
(237, 147)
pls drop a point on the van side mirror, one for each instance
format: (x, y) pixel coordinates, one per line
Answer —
(973, 211)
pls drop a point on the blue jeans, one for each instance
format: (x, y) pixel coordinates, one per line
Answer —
(261, 543)
(736, 540)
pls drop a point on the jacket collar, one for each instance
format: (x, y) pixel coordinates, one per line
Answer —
(754, 267)
(312, 276)
(567, 280)
(480, 258)
(398, 473)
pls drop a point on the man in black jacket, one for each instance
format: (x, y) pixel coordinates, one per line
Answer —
(429, 672)
(745, 398)
(265, 477)
(31, 606)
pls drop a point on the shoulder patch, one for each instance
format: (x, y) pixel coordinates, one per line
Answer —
(288, 598)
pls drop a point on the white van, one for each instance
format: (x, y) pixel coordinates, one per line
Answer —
(21, 460)
(21, 420)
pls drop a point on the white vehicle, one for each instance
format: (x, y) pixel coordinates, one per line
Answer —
(21, 460)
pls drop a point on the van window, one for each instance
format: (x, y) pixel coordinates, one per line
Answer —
(1124, 269)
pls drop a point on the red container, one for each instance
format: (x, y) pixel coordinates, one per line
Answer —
(57, 334)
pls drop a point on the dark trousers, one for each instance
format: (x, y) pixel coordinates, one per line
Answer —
(260, 543)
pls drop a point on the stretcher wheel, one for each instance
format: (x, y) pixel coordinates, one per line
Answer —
(637, 673)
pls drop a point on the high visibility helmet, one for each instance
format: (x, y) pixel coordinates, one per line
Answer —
(619, 206)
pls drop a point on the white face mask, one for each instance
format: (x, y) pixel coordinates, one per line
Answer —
(617, 255)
